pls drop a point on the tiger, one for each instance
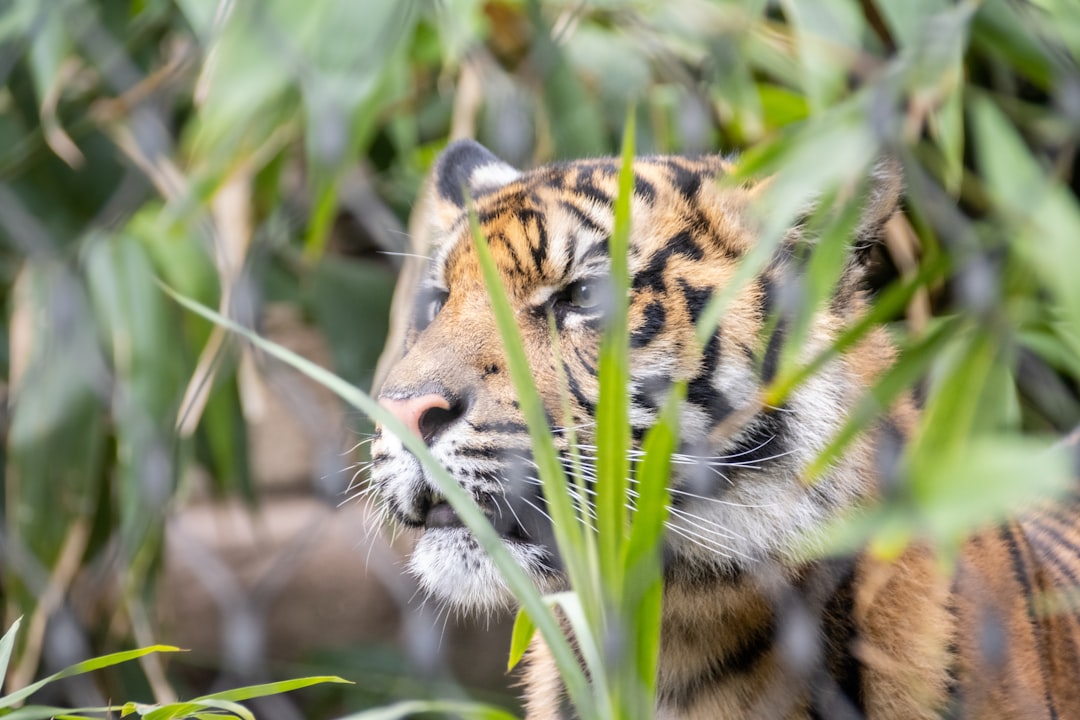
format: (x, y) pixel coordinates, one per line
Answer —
(751, 626)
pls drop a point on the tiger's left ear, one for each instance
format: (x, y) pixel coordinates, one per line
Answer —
(466, 167)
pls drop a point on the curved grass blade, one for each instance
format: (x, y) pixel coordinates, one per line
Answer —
(83, 667)
(567, 528)
(514, 577)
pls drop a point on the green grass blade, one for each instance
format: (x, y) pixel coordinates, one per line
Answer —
(891, 302)
(83, 667)
(42, 712)
(514, 577)
(567, 526)
(194, 708)
(274, 688)
(643, 564)
(612, 413)
(900, 377)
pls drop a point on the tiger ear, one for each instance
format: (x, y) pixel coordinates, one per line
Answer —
(466, 167)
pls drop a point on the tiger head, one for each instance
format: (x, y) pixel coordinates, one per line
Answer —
(736, 493)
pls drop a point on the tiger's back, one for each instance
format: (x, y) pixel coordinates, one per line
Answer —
(751, 629)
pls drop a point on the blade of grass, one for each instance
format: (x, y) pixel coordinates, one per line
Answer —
(512, 574)
(566, 525)
(83, 667)
(643, 562)
(900, 377)
(888, 305)
(612, 414)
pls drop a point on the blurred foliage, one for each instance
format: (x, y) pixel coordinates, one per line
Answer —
(255, 151)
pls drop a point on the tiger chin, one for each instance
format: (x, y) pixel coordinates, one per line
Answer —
(750, 628)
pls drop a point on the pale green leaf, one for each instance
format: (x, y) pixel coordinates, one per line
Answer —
(522, 635)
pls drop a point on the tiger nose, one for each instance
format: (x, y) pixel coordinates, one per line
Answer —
(425, 415)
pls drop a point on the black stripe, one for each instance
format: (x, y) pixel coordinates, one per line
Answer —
(505, 242)
(1043, 522)
(686, 181)
(539, 249)
(582, 218)
(696, 299)
(475, 451)
(587, 188)
(740, 661)
(503, 426)
(1023, 577)
(588, 363)
(644, 189)
(575, 389)
(701, 391)
(651, 326)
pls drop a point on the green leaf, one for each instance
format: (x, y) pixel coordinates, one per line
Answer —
(41, 712)
(1042, 214)
(7, 643)
(524, 630)
(192, 708)
(643, 564)
(979, 487)
(827, 34)
(86, 666)
(274, 688)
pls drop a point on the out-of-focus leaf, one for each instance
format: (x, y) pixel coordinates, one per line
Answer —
(1000, 29)
(1042, 215)
(907, 21)
(979, 486)
(828, 34)
(39, 712)
(643, 564)
(147, 360)
(56, 403)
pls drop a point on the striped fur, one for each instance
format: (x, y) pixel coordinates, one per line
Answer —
(750, 628)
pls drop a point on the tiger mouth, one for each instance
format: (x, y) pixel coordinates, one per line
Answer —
(440, 515)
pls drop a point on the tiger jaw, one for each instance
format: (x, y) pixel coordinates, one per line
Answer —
(448, 561)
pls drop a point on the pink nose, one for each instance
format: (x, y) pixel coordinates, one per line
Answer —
(426, 415)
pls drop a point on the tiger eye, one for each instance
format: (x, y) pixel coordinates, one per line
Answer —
(583, 294)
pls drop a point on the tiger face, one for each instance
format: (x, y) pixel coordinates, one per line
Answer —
(735, 491)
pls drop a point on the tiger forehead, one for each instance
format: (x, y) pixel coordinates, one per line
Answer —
(552, 223)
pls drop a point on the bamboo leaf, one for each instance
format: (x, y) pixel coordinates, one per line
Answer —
(86, 666)
(522, 635)
(7, 643)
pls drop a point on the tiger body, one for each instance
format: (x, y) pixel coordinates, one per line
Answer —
(750, 629)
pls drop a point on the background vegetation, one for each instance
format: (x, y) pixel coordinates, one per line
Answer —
(256, 154)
